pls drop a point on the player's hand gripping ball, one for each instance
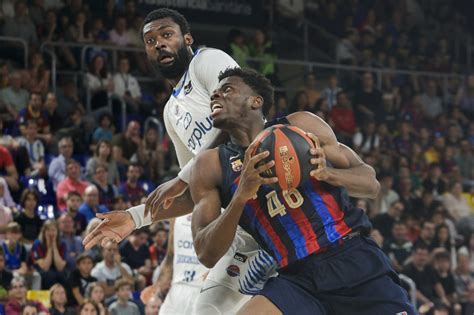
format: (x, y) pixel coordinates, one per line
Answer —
(289, 147)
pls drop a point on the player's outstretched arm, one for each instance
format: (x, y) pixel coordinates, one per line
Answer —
(348, 170)
(214, 232)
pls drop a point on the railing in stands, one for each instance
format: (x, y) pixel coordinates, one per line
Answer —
(22, 42)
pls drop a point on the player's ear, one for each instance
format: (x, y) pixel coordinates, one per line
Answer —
(257, 102)
(188, 39)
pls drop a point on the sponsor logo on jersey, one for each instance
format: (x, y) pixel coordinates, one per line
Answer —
(201, 128)
(184, 259)
(240, 257)
(233, 271)
(188, 88)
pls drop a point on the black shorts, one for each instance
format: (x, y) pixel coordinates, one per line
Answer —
(352, 278)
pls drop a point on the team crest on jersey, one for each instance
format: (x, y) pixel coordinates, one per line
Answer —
(188, 88)
(236, 163)
(233, 271)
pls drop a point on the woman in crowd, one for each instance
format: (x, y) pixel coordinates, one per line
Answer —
(103, 155)
(48, 255)
(98, 82)
(152, 154)
(107, 191)
(28, 218)
(96, 294)
(17, 298)
(89, 307)
(58, 301)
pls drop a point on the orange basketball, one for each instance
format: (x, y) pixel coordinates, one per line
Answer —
(289, 147)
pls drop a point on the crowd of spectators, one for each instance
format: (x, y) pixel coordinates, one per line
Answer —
(60, 164)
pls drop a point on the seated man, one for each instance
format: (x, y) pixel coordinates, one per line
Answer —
(35, 149)
(91, 204)
(72, 182)
(8, 168)
(131, 189)
(57, 167)
(135, 253)
(34, 110)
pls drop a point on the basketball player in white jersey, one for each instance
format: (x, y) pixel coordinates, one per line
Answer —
(187, 119)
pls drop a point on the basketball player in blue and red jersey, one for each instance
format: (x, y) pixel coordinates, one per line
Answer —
(326, 263)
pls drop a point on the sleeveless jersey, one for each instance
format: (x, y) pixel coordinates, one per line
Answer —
(291, 225)
(12, 259)
(186, 267)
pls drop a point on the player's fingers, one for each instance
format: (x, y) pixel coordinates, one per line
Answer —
(319, 162)
(251, 149)
(264, 167)
(269, 181)
(106, 239)
(95, 232)
(94, 240)
(258, 157)
(313, 138)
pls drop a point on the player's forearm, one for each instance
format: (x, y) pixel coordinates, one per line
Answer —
(213, 241)
(166, 269)
(359, 181)
(181, 205)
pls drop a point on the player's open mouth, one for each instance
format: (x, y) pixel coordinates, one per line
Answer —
(166, 60)
(216, 108)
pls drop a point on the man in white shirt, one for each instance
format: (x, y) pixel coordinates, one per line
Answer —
(120, 35)
(187, 115)
(126, 85)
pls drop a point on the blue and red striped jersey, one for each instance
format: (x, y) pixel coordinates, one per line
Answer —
(291, 225)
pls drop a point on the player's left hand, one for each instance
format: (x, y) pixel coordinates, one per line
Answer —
(320, 171)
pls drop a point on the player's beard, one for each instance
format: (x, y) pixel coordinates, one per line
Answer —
(179, 66)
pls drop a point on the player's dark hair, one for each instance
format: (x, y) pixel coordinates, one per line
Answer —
(163, 13)
(256, 81)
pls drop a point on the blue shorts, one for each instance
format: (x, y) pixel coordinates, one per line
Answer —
(352, 278)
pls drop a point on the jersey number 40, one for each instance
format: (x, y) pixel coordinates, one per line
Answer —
(293, 199)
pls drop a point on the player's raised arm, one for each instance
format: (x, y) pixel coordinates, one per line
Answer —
(348, 169)
(213, 232)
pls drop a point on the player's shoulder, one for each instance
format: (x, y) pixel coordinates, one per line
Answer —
(207, 57)
(207, 162)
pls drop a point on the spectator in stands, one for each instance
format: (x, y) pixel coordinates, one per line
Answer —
(331, 91)
(73, 203)
(456, 203)
(21, 25)
(80, 129)
(105, 129)
(131, 189)
(238, 49)
(398, 248)
(6, 199)
(48, 255)
(300, 102)
(35, 149)
(120, 203)
(34, 110)
(39, 75)
(73, 243)
(443, 238)
(80, 280)
(15, 96)
(428, 287)
(434, 181)
(72, 182)
(346, 51)
(111, 268)
(91, 205)
(57, 167)
(51, 107)
(68, 97)
(435, 151)
(442, 266)
(262, 47)
(103, 155)
(122, 306)
(16, 256)
(311, 90)
(58, 300)
(387, 196)
(431, 102)
(465, 97)
(384, 221)
(98, 32)
(134, 252)
(89, 307)
(463, 275)
(98, 81)
(28, 219)
(96, 293)
(367, 139)
(153, 305)
(368, 100)
(126, 86)
(469, 305)
(8, 168)
(342, 118)
(17, 299)
(107, 192)
(427, 235)
(158, 248)
(78, 32)
(5, 278)
(151, 154)
(125, 145)
(120, 34)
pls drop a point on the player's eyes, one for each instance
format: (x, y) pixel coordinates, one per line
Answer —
(167, 34)
(150, 41)
(227, 89)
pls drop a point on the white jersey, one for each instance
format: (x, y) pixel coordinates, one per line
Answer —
(187, 114)
(186, 267)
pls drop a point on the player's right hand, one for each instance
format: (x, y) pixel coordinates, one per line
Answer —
(115, 226)
(164, 195)
(250, 178)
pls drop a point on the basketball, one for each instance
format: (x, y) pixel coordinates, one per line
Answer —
(289, 147)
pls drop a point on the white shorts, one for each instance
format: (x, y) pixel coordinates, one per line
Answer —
(245, 267)
(181, 299)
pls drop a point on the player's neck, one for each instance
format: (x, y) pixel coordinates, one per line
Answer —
(244, 134)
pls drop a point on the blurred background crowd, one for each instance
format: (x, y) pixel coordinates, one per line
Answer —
(81, 133)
